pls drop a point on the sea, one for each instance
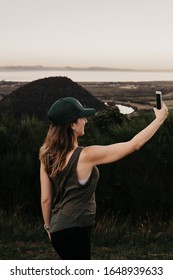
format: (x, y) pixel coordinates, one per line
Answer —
(87, 76)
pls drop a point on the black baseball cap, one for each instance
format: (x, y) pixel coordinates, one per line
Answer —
(68, 109)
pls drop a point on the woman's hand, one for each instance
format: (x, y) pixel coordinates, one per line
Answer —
(47, 230)
(161, 114)
(49, 235)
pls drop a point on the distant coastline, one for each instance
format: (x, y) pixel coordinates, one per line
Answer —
(69, 68)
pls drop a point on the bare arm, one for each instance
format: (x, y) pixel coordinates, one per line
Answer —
(95, 155)
(46, 195)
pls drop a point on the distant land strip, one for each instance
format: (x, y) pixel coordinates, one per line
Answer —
(69, 68)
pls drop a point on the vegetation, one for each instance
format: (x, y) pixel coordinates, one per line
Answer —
(134, 195)
(139, 95)
(113, 237)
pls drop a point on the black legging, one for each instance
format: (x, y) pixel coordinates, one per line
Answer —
(72, 243)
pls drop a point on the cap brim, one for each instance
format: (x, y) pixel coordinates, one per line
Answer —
(87, 112)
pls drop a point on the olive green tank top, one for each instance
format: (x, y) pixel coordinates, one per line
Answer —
(73, 204)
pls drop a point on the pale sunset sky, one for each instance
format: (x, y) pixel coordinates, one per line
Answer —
(83, 33)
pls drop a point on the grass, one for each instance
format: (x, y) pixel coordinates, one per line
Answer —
(113, 238)
(121, 238)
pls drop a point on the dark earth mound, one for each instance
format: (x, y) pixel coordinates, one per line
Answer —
(35, 98)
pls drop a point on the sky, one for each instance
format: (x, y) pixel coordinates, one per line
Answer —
(84, 33)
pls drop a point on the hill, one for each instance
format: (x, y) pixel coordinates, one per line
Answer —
(35, 98)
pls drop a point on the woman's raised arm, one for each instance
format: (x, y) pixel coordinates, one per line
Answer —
(96, 155)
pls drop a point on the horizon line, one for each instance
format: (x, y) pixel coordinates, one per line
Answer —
(73, 68)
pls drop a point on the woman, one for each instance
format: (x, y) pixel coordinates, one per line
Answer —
(69, 175)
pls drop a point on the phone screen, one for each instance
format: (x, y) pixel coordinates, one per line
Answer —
(158, 99)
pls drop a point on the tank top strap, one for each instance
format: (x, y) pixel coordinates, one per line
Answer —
(77, 152)
(74, 157)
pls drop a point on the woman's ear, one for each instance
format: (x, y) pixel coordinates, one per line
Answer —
(73, 125)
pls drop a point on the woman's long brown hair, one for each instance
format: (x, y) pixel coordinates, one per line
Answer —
(57, 144)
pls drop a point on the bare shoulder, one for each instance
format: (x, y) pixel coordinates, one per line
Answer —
(91, 154)
(85, 158)
(88, 151)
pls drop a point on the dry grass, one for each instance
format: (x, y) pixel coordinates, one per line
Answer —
(112, 238)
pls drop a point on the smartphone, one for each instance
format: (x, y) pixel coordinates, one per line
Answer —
(158, 100)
